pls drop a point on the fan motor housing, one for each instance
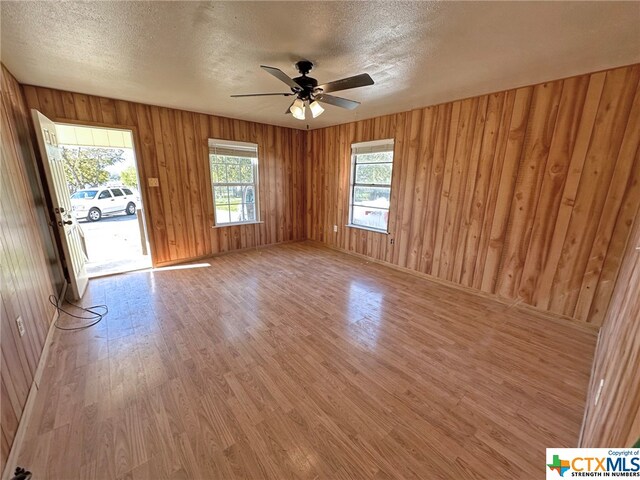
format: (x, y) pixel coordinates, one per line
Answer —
(304, 66)
(308, 84)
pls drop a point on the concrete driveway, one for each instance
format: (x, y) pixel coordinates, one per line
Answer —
(113, 245)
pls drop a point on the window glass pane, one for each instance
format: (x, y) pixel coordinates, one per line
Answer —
(236, 213)
(377, 197)
(219, 173)
(85, 194)
(221, 195)
(249, 194)
(379, 157)
(375, 173)
(250, 212)
(234, 173)
(229, 160)
(104, 194)
(242, 213)
(236, 194)
(127, 191)
(246, 173)
(370, 217)
(222, 214)
(117, 193)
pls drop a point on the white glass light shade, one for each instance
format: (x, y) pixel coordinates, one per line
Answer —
(316, 109)
(297, 109)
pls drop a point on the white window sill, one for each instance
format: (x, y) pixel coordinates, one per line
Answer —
(370, 229)
(235, 224)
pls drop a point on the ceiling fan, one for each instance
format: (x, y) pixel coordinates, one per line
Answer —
(308, 92)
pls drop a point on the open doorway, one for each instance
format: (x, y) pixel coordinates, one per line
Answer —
(101, 172)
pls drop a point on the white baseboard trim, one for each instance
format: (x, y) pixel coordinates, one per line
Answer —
(23, 424)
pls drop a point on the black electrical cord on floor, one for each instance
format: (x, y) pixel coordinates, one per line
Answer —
(95, 317)
(21, 474)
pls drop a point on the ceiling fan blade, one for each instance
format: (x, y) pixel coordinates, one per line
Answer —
(262, 94)
(280, 75)
(356, 81)
(338, 101)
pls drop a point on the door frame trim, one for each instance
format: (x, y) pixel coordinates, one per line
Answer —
(142, 176)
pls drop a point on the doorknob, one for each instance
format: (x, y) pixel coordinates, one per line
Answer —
(67, 222)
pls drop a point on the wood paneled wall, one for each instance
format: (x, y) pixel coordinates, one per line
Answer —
(25, 282)
(528, 194)
(171, 145)
(615, 420)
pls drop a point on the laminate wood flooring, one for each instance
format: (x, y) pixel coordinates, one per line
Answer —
(301, 362)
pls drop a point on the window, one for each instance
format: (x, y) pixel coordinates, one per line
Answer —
(234, 178)
(371, 169)
(116, 192)
(104, 194)
(84, 194)
(127, 191)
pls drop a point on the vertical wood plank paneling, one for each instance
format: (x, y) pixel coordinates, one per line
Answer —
(555, 175)
(424, 150)
(433, 195)
(405, 208)
(25, 281)
(427, 159)
(172, 146)
(613, 422)
(528, 194)
(146, 149)
(542, 294)
(476, 207)
(537, 141)
(612, 261)
(165, 186)
(511, 162)
(600, 164)
(466, 195)
(449, 154)
(495, 184)
(455, 196)
(615, 197)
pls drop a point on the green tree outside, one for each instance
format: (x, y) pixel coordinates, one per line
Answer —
(129, 178)
(85, 167)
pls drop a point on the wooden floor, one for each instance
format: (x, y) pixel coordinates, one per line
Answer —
(302, 362)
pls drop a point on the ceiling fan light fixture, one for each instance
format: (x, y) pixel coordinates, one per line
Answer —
(297, 109)
(316, 109)
(306, 89)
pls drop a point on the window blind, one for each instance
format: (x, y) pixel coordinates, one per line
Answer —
(233, 149)
(377, 146)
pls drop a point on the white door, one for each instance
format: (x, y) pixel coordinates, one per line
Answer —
(70, 231)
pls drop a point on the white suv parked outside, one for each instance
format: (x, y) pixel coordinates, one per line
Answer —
(92, 203)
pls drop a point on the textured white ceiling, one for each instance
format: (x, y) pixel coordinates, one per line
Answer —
(193, 55)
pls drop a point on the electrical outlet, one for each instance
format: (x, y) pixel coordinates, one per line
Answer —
(20, 326)
(598, 392)
(392, 241)
(335, 228)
